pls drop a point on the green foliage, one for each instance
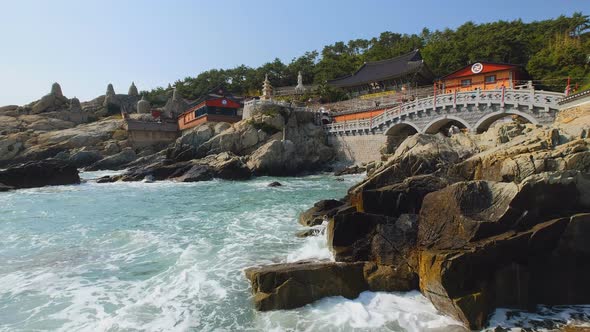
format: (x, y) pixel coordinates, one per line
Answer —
(534, 45)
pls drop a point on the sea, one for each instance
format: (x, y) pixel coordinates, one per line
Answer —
(168, 256)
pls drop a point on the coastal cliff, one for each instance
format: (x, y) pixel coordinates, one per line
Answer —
(475, 222)
(275, 140)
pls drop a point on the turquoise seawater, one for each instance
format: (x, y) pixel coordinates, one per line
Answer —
(170, 256)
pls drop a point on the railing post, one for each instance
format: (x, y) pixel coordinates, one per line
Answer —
(503, 93)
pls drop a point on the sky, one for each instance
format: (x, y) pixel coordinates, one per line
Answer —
(86, 44)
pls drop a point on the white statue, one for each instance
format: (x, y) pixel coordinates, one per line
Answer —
(299, 88)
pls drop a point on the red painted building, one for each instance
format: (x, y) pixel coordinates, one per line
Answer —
(214, 107)
(483, 76)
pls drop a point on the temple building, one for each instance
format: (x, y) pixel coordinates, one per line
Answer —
(408, 70)
(482, 76)
(215, 106)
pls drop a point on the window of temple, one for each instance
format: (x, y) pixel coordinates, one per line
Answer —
(491, 79)
(465, 83)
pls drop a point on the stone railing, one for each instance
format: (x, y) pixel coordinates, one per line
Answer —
(502, 97)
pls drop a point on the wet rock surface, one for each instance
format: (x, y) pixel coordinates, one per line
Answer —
(474, 223)
(39, 174)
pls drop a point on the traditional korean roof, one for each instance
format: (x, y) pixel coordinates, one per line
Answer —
(383, 70)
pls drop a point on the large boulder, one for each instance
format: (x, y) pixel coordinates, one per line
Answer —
(469, 211)
(39, 174)
(419, 154)
(272, 158)
(292, 285)
(320, 212)
(402, 197)
(548, 263)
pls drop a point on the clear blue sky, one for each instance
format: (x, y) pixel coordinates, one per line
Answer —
(86, 44)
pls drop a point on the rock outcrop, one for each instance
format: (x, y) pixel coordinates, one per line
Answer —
(473, 222)
(39, 174)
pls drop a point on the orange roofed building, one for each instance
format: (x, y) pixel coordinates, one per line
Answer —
(482, 76)
(216, 106)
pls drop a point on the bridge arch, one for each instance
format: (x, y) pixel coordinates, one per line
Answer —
(484, 123)
(437, 124)
(405, 128)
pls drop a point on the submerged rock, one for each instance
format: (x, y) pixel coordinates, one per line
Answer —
(274, 184)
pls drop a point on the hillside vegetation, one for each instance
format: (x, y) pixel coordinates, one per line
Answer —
(551, 50)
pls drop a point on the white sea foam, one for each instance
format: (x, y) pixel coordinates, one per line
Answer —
(370, 311)
(314, 248)
(167, 256)
(545, 318)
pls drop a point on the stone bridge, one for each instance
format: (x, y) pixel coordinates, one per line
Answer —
(474, 111)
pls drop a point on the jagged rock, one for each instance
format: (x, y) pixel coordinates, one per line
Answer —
(321, 211)
(545, 264)
(84, 158)
(116, 161)
(351, 170)
(468, 211)
(403, 197)
(313, 231)
(111, 148)
(388, 278)
(228, 166)
(377, 238)
(196, 136)
(221, 127)
(196, 173)
(420, 154)
(272, 157)
(39, 174)
(292, 285)
(349, 235)
(9, 148)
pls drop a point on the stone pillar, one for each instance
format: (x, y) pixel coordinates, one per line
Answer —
(56, 90)
(110, 90)
(143, 106)
(75, 105)
(133, 90)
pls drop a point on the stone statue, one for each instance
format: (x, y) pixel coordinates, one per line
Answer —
(110, 90)
(299, 88)
(133, 90)
(75, 105)
(266, 89)
(56, 90)
(143, 106)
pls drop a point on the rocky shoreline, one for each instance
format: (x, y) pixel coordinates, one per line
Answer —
(475, 222)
